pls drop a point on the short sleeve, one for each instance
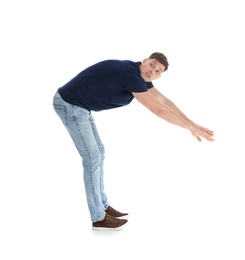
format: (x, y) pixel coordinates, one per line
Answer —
(149, 85)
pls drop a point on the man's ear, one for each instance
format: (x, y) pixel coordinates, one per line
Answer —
(144, 60)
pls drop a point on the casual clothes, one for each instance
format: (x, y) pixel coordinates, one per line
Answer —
(105, 85)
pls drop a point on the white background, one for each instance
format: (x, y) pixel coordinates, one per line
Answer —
(185, 198)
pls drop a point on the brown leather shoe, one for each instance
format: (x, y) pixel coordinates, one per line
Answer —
(114, 213)
(109, 223)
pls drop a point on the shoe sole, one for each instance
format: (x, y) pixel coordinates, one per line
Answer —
(110, 229)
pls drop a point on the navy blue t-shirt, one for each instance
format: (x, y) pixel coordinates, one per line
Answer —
(105, 85)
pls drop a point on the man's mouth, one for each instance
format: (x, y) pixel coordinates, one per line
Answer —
(147, 74)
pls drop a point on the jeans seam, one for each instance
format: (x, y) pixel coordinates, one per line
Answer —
(90, 172)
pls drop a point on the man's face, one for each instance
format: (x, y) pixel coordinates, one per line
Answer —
(151, 69)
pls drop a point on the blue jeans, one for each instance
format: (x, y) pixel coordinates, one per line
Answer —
(82, 129)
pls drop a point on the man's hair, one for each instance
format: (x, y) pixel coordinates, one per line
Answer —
(160, 57)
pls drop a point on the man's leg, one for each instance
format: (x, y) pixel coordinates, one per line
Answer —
(77, 122)
(102, 156)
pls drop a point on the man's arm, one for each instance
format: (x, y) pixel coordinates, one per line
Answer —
(167, 110)
(164, 100)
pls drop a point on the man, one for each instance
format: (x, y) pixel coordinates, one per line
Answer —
(106, 85)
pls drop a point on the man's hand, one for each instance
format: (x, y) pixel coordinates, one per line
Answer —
(200, 131)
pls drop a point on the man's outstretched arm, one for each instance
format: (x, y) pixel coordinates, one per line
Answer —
(167, 110)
